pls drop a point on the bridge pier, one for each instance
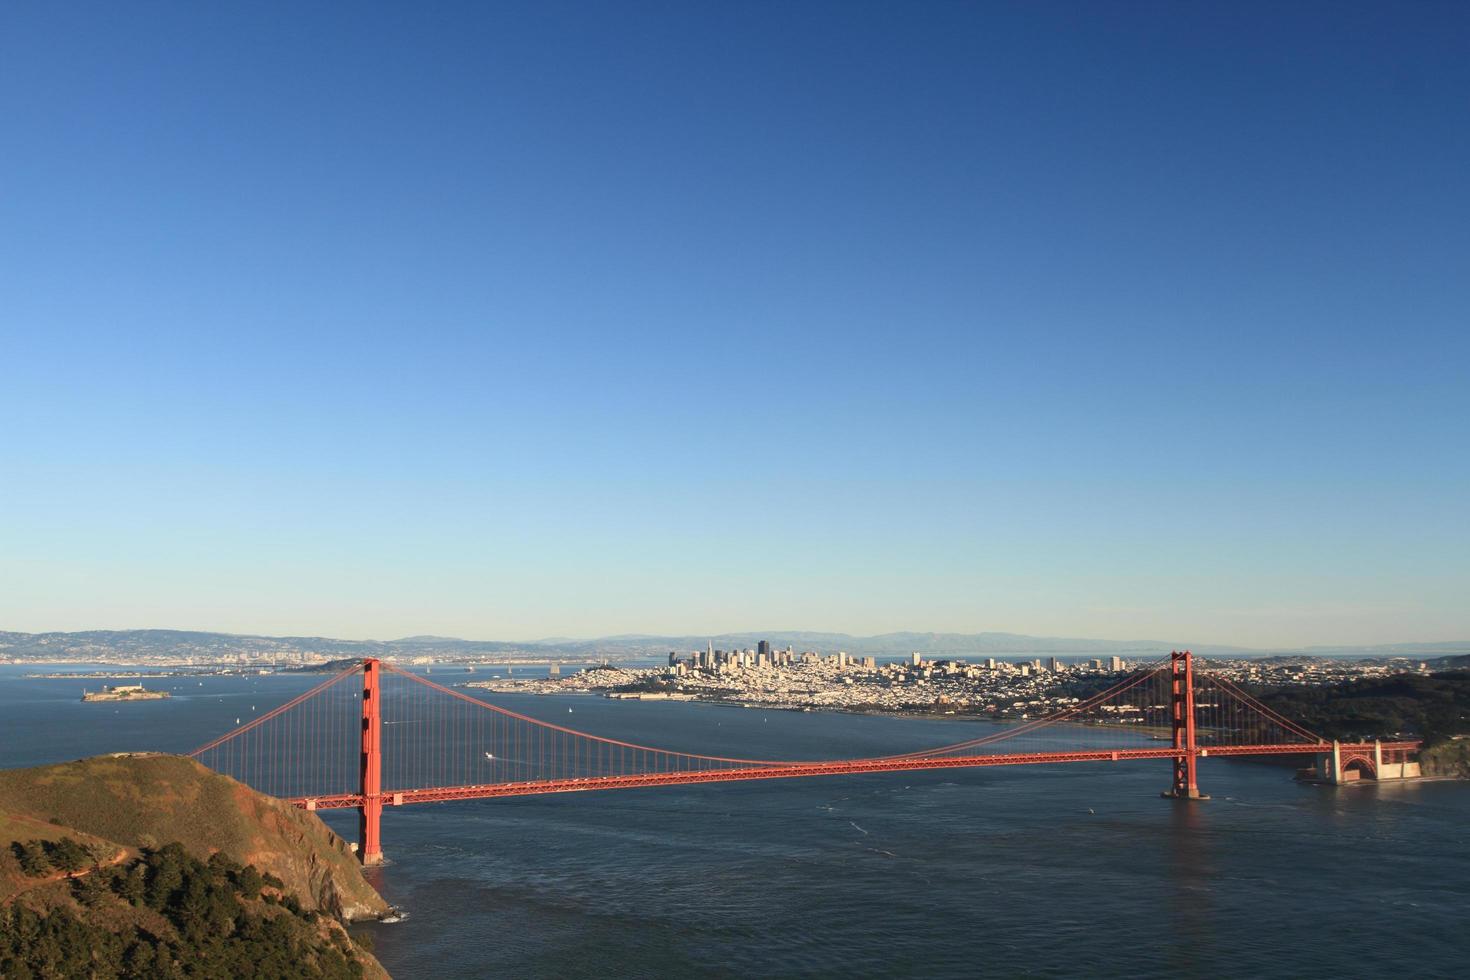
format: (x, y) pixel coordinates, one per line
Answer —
(370, 813)
(1355, 763)
(1186, 779)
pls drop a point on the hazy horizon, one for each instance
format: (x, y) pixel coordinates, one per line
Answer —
(773, 634)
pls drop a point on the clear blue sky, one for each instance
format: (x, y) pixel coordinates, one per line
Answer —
(514, 320)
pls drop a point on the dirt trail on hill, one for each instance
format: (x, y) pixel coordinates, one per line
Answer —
(31, 883)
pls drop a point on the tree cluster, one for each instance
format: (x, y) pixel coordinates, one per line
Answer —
(39, 858)
(224, 920)
(1432, 706)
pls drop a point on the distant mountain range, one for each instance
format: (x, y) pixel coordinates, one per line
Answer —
(115, 645)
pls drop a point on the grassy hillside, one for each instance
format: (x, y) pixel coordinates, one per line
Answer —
(150, 800)
(18, 828)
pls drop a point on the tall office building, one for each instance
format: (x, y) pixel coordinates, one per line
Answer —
(763, 649)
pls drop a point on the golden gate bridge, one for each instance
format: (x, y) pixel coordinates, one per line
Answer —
(398, 739)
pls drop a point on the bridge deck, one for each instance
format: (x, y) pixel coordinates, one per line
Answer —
(443, 794)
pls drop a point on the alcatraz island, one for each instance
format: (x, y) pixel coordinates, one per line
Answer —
(124, 692)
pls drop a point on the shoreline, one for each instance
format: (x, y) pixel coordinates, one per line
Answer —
(948, 716)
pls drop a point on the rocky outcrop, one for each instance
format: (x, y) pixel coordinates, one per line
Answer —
(1449, 758)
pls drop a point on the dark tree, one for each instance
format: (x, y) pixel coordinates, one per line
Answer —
(33, 858)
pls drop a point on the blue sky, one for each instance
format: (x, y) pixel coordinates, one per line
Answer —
(1113, 320)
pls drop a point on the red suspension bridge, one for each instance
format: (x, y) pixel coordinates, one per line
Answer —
(392, 738)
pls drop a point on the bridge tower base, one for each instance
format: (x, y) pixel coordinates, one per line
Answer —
(369, 814)
(1186, 782)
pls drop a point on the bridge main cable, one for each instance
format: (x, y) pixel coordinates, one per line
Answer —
(256, 723)
(1251, 702)
(574, 732)
(1128, 683)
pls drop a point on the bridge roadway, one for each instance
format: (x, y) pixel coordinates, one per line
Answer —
(444, 794)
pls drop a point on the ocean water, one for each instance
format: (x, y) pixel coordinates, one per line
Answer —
(1065, 870)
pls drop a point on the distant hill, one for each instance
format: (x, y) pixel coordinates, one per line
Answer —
(124, 646)
(886, 644)
(114, 646)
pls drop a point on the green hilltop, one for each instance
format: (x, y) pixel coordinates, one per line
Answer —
(149, 800)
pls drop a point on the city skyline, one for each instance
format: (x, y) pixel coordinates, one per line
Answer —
(537, 320)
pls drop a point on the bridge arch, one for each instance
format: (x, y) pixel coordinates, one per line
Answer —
(1360, 764)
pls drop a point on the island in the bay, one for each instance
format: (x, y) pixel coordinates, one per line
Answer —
(124, 692)
(152, 866)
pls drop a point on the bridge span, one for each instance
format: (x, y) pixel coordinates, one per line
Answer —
(330, 747)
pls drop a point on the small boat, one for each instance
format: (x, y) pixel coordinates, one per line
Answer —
(490, 756)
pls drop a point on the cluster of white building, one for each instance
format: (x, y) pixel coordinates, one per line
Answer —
(760, 657)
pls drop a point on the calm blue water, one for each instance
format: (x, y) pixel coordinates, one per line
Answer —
(1040, 871)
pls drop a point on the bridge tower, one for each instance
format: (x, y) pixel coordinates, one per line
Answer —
(1186, 783)
(369, 814)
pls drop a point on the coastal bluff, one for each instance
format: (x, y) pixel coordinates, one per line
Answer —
(147, 800)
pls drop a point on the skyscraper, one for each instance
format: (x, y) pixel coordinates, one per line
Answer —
(763, 649)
